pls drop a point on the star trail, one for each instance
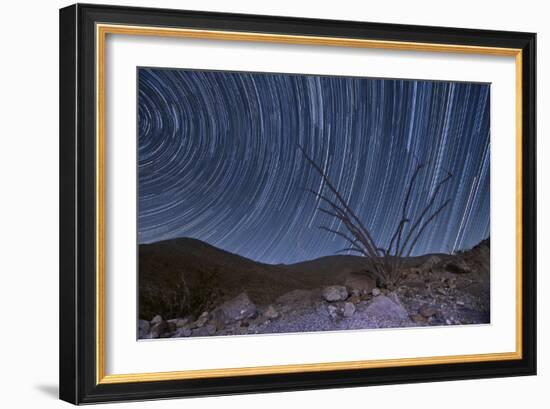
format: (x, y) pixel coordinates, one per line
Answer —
(218, 159)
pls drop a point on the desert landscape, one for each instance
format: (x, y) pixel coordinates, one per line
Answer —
(189, 288)
(288, 203)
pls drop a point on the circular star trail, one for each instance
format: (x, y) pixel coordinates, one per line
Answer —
(219, 159)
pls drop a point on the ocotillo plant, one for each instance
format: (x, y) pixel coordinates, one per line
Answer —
(384, 263)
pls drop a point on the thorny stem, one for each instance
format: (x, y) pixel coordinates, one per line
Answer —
(385, 263)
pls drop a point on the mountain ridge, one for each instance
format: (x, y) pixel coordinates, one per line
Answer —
(213, 273)
(184, 275)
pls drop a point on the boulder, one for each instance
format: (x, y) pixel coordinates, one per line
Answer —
(178, 322)
(217, 318)
(271, 313)
(201, 320)
(211, 329)
(332, 311)
(238, 308)
(335, 293)
(387, 309)
(157, 330)
(143, 328)
(258, 321)
(204, 331)
(156, 319)
(182, 332)
(349, 309)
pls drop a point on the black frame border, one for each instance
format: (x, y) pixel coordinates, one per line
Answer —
(77, 204)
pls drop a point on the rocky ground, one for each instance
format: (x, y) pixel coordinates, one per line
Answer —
(436, 290)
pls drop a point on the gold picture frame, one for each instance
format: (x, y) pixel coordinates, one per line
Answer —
(101, 22)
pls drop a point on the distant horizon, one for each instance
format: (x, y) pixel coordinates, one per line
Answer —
(218, 159)
(300, 261)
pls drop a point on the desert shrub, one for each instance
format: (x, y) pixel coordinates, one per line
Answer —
(384, 263)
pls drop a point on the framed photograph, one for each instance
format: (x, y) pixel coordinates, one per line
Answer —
(257, 203)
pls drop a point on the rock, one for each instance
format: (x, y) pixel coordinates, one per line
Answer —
(182, 332)
(258, 321)
(238, 308)
(211, 329)
(332, 311)
(360, 283)
(156, 320)
(158, 329)
(427, 311)
(201, 320)
(171, 324)
(384, 308)
(217, 318)
(271, 312)
(143, 328)
(376, 291)
(203, 331)
(349, 309)
(335, 293)
(241, 331)
(178, 322)
(158, 326)
(354, 299)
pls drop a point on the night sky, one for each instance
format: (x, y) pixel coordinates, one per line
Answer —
(219, 159)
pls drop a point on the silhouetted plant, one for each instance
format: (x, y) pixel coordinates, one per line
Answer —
(385, 263)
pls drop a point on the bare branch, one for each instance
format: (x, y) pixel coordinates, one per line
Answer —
(353, 230)
(385, 263)
(400, 227)
(344, 216)
(424, 212)
(338, 233)
(351, 249)
(397, 233)
(431, 218)
(410, 188)
(338, 196)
